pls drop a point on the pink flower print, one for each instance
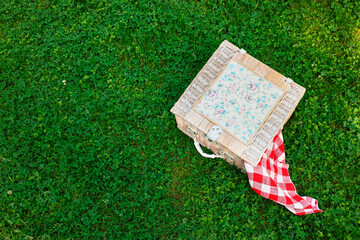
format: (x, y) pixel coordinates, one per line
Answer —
(262, 105)
(211, 93)
(252, 86)
(220, 111)
(232, 122)
(233, 88)
(247, 97)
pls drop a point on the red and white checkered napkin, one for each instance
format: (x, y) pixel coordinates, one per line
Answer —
(270, 178)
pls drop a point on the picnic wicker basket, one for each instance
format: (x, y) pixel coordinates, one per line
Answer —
(236, 105)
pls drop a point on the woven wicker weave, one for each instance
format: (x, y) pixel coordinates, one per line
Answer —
(196, 125)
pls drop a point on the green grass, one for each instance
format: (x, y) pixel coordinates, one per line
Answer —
(101, 157)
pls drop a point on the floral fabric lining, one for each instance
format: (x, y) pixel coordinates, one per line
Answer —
(239, 101)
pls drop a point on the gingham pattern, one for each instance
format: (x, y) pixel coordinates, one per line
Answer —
(270, 179)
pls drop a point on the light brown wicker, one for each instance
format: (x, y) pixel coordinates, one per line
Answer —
(229, 146)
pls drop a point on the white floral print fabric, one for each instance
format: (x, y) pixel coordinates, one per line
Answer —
(239, 101)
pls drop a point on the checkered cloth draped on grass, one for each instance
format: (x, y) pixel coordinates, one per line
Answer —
(270, 179)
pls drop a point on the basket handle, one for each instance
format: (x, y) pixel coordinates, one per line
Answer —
(198, 147)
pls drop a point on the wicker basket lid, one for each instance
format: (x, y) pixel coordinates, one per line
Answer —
(249, 100)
